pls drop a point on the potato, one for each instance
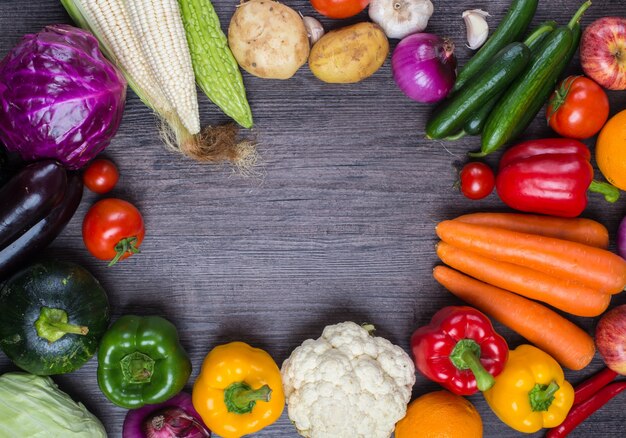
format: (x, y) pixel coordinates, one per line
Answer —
(268, 39)
(349, 54)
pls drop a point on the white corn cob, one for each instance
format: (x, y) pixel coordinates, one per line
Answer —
(110, 22)
(159, 28)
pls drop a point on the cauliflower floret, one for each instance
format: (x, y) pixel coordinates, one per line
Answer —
(347, 384)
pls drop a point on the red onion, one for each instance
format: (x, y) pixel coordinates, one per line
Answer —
(424, 67)
(175, 418)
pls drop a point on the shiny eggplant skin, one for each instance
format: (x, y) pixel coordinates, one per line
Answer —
(29, 244)
(29, 197)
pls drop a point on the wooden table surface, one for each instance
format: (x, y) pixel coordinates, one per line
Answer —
(337, 225)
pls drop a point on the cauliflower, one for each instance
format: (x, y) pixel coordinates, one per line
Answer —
(347, 384)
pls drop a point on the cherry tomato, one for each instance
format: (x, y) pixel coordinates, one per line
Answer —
(578, 108)
(477, 180)
(339, 8)
(113, 230)
(101, 176)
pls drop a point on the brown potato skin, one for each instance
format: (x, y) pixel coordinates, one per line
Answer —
(349, 54)
(268, 39)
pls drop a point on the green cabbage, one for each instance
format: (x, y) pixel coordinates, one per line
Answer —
(33, 406)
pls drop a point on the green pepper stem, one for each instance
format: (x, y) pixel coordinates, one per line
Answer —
(480, 154)
(542, 396)
(123, 247)
(240, 398)
(610, 192)
(137, 367)
(544, 28)
(576, 18)
(466, 355)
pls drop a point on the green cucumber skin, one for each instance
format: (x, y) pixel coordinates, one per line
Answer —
(511, 28)
(508, 64)
(476, 123)
(217, 72)
(521, 103)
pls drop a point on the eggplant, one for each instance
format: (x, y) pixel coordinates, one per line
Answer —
(43, 232)
(10, 164)
(29, 197)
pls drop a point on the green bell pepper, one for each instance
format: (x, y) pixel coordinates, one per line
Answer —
(141, 361)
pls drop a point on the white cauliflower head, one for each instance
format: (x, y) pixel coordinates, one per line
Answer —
(347, 384)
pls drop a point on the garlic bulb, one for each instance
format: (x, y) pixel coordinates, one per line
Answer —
(477, 27)
(399, 18)
(314, 29)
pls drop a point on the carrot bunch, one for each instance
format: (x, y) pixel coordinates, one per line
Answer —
(508, 260)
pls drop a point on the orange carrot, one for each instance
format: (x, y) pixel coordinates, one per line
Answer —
(585, 231)
(566, 295)
(593, 267)
(565, 341)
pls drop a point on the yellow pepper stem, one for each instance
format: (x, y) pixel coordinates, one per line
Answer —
(466, 355)
(240, 398)
(542, 396)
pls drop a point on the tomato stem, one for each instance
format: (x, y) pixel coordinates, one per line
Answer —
(123, 247)
(560, 94)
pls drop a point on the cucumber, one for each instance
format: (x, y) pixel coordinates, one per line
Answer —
(505, 67)
(510, 29)
(474, 125)
(521, 103)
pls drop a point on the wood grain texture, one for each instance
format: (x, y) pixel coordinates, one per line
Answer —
(338, 224)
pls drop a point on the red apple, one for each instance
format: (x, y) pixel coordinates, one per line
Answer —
(611, 338)
(603, 52)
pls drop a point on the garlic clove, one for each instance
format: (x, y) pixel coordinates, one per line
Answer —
(314, 29)
(477, 27)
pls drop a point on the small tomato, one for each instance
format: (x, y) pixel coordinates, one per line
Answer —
(578, 108)
(477, 180)
(101, 176)
(339, 8)
(113, 230)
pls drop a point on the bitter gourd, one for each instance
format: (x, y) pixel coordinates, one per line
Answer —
(217, 72)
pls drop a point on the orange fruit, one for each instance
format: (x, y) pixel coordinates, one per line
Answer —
(611, 150)
(440, 414)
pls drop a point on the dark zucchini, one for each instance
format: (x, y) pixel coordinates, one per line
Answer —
(521, 103)
(53, 316)
(452, 114)
(510, 29)
(474, 125)
(29, 197)
(43, 232)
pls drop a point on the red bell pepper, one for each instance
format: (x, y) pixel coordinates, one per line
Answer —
(549, 176)
(460, 350)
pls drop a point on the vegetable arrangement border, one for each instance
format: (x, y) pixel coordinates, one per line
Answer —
(62, 96)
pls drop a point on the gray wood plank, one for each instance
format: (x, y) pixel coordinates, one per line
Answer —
(338, 224)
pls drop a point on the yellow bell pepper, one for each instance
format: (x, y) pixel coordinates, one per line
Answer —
(531, 392)
(239, 390)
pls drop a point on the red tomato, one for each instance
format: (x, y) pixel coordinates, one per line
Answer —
(113, 230)
(578, 108)
(339, 8)
(101, 176)
(477, 180)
